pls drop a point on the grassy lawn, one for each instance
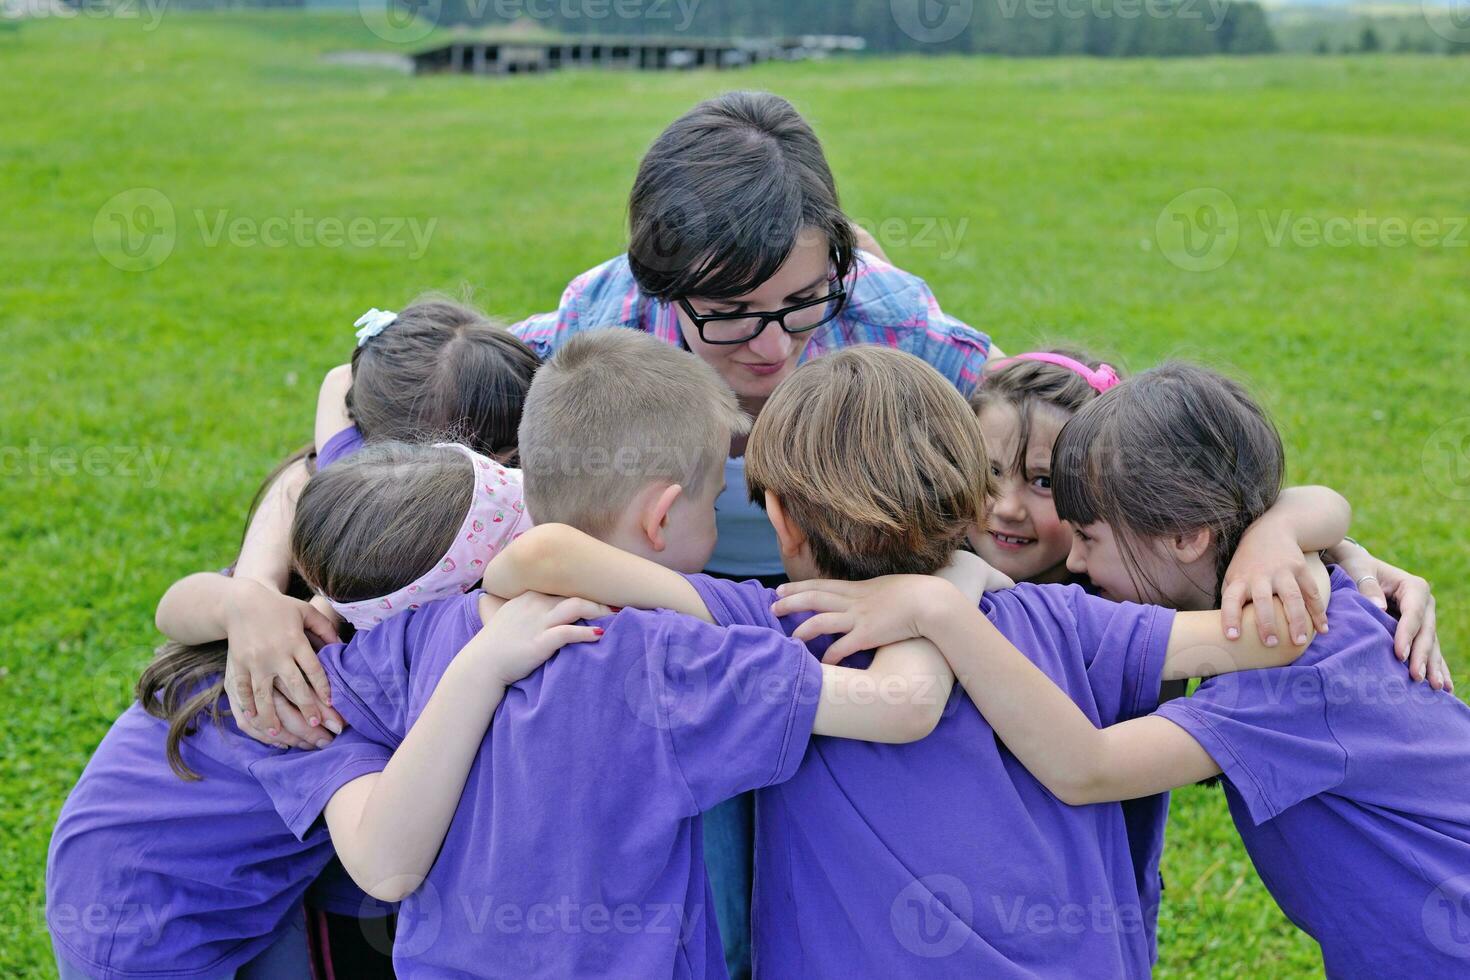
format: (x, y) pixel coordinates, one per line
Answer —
(140, 408)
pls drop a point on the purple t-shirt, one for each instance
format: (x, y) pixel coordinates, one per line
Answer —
(577, 846)
(945, 857)
(339, 446)
(151, 876)
(1350, 786)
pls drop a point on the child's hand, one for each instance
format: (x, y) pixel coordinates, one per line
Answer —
(1269, 562)
(974, 576)
(1396, 591)
(527, 630)
(872, 613)
(270, 649)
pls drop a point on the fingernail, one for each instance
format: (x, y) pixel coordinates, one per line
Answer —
(1271, 641)
(1301, 639)
(272, 732)
(616, 609)
(334, 727)
(322, 743)
(597, 631)
(315, 721)
(1233, 633)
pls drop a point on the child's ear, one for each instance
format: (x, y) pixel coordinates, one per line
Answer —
(788, 535)
(655, 515)
(1190, 547)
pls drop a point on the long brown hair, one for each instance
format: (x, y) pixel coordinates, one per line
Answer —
(1168, 452)
(442, 368)
(184, 682)
(379, 519)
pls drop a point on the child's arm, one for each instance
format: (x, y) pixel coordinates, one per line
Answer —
(1047, 731)
(1269, 561)
(899, 698)
(557, 559)
(259, 623)
(331, 404)
(1416, 640)
(388, 826)
(1037, 720)
(269, 633)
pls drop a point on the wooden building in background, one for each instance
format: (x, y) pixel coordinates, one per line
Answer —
(512, 54)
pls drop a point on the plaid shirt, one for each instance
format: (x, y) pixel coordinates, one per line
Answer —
(885, 305)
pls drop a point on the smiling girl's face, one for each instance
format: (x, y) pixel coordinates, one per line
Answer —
(1023, 537)
(754, 369)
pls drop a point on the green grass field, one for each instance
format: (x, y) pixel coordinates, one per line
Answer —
(140, 408)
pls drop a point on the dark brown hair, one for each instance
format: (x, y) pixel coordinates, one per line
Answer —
(1027, 385)
(442, 369)
(1171, 451)
(722, 195)
(876, 458)
(183, 682)
(377, 520)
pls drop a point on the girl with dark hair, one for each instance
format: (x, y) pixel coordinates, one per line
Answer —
(1349, 781)
(168, 857)
(1022, 404)
(438, 369)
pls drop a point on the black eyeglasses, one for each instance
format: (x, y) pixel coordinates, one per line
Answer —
(740, 328)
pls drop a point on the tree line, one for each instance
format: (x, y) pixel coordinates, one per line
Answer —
(1104, 28)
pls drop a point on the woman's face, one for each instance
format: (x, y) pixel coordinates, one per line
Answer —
(754, 369)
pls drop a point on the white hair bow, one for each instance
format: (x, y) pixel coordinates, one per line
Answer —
(372, 323)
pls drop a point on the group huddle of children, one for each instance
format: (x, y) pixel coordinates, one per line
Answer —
(539, 815)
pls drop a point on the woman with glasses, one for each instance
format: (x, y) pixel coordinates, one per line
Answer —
(740, 252)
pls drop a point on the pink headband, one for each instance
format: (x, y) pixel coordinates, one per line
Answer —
(497, 516)
(1101, 380)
